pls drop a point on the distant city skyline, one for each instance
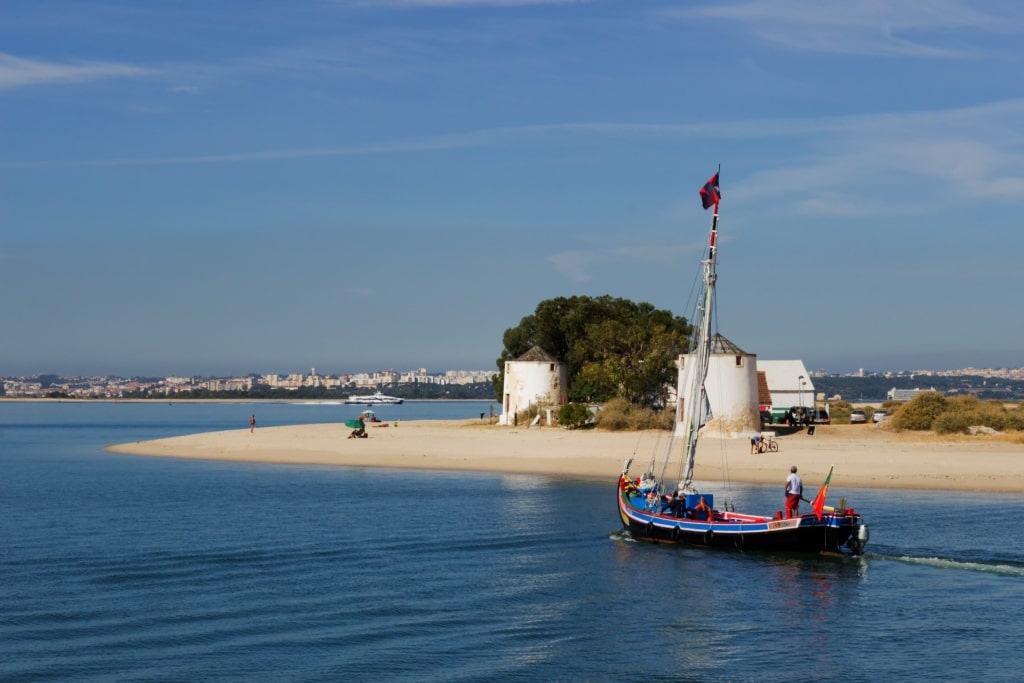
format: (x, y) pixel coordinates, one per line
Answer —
(1015, 372)
(460, 383)
(234, 186)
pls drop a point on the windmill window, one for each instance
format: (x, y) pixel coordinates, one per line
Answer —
(551, 367)
(739, 361)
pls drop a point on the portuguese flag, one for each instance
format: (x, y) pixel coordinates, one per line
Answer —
(819, 500)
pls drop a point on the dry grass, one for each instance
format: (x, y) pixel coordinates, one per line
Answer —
(619, 415)
(915, 436)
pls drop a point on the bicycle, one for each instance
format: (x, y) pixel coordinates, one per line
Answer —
(768, 443)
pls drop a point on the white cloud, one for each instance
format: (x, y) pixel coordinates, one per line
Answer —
(17, 72)
(910, 28)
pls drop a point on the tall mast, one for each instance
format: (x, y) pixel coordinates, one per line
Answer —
(698, 403)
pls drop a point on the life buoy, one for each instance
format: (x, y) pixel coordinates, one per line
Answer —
(709, 537)
(676, 533)
(650, 529)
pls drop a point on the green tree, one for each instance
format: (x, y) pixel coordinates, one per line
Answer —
(612, 347)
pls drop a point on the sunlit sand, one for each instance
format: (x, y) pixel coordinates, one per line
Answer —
(863, 455)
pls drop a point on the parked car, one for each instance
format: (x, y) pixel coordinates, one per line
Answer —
(798, 415)
(858, 417)
(821, 417)
(879, 415)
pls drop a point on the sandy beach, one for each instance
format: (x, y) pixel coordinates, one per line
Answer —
(863, 455)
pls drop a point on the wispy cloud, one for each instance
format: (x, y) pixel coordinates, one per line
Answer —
(975, 152)
(440, 142)
(910, 28)
(488, 137)
(577, 264)
(17, 72)
(460, 3)
(970, 152)
(993, 121)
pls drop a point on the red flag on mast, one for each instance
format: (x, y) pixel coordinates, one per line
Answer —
(819, 500)
(710, 193)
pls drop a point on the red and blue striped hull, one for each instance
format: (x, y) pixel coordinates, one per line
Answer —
(837, 532)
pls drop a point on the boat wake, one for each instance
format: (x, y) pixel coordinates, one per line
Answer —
(622, 535)
(946, 563)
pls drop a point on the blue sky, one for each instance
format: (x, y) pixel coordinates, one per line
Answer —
(229, 187)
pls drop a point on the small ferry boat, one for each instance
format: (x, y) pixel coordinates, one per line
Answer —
(375, 399)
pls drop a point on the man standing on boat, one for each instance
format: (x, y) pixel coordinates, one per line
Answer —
(794, 492)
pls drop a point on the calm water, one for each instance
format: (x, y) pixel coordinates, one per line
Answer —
(120, 568)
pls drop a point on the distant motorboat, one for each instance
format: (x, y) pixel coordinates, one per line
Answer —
(375, 399)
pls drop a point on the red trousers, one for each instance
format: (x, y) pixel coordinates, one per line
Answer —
(792, 503)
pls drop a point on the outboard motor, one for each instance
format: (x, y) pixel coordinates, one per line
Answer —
(857, 543)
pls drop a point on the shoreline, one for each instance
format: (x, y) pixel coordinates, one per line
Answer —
(864, 456)
(325, 401)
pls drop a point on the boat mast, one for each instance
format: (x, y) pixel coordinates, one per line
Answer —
(698, 403)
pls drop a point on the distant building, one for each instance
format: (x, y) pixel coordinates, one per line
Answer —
(789, 383)
(534, 381)
(895, 394)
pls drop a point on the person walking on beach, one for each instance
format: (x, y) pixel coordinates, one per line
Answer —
(252, 423)
(794, 492)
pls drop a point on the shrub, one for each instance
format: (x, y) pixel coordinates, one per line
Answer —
(839, 411)
(993, 414)
(952, 423)
(964, 412)
(662, 419)
(574, 415)
(614, 415)
(963, 403)
(619, 414)
(920, 412)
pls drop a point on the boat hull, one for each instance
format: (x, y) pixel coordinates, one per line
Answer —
(837, 532)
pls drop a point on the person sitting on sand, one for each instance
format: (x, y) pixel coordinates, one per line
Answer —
(358, 433)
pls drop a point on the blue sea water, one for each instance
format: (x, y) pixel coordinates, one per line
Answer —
(124, 568)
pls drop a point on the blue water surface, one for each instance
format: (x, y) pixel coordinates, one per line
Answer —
(124, 568)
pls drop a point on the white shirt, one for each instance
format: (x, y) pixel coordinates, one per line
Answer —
(794, 485)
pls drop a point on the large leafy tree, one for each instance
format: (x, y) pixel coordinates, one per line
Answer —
(613, 347)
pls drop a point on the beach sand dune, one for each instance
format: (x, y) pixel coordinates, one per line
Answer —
(863, 455)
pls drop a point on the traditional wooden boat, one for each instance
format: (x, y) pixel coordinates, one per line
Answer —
(652, 510)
